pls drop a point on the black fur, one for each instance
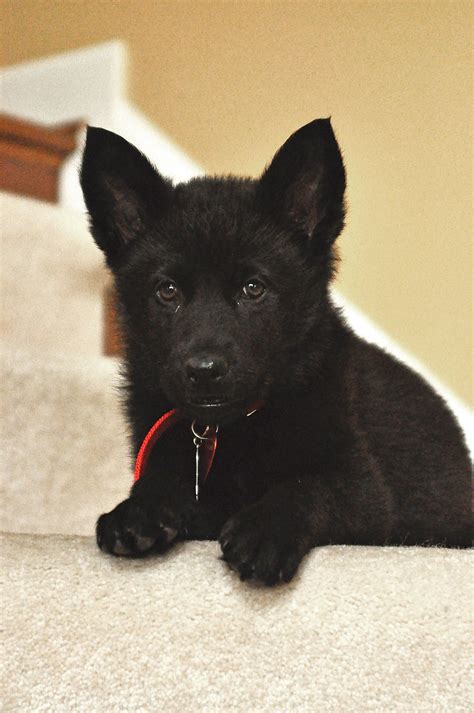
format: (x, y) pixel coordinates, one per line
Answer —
(350, 446)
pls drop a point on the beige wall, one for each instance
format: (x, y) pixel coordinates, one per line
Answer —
(229, 81)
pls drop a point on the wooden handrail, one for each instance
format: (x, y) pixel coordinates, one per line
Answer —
(31, 156)
(60, 139)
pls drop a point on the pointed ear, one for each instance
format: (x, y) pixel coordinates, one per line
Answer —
(123, 192)
(305, 183)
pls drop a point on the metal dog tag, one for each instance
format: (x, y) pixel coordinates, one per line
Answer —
(205, 444)
(198, 443)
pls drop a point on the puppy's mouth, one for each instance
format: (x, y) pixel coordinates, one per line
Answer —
(210, 401)
(213, 409)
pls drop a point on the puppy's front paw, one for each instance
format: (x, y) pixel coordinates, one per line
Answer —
(260, 545)
(131, 530)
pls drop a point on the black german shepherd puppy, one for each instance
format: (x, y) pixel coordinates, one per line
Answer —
(224, 301)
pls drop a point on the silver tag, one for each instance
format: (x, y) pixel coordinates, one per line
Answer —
(197, 442)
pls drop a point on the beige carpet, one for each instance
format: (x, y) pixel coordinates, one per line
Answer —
(64, 452)
(63, 441)
(359, 629)
(51, 279)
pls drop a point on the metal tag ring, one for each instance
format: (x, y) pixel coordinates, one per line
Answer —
(204, 435)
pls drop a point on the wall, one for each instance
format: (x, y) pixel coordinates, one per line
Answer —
(229, 81)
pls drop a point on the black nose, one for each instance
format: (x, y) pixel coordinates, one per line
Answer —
(206, 369)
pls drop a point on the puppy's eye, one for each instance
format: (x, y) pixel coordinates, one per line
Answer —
(254, 289)
(167, 291)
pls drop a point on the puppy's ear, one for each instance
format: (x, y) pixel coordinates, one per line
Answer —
(305, 183)
(123, 192)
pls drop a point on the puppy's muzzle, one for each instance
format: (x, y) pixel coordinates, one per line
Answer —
(205, 371)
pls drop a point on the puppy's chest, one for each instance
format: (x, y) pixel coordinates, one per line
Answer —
(252, 460)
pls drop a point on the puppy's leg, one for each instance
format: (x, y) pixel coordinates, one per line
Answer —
(267, 540)
(132, 529)
(151, 520)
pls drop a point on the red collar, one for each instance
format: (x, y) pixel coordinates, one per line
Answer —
(158, 429)
(205, 441)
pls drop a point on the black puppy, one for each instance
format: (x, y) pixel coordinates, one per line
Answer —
(224, 301)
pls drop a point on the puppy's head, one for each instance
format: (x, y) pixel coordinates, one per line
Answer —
(222, 282)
